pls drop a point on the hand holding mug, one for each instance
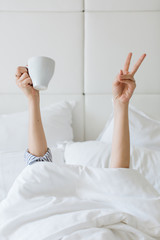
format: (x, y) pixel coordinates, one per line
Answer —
(35, 76)
(24, 82)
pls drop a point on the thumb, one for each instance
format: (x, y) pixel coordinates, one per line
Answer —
(121, 72)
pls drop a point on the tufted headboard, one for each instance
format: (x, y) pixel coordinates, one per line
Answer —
(89, 41)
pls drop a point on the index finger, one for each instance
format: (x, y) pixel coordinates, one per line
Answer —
(138, 63)
(127, 63)
(20, 70)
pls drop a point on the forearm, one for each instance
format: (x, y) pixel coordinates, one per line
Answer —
(120, 154)
(37, 140)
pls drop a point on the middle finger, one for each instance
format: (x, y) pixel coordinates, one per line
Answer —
(23, 76)
(138, 63)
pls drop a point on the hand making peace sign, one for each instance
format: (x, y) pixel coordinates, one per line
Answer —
(124, 84)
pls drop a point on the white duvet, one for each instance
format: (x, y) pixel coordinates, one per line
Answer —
(50, 202)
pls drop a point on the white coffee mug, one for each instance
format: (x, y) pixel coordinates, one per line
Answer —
(41, 70)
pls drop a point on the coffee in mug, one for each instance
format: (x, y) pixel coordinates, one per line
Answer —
(41, 70)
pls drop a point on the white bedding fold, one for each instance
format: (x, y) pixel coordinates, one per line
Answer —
(73, 202)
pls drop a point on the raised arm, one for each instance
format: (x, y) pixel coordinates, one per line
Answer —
(123, 88)
(37, 145)
(37, 141)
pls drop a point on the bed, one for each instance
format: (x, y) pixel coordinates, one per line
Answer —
(88, 41)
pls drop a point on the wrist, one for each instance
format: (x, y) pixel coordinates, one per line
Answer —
(34, 100)
(120, 105)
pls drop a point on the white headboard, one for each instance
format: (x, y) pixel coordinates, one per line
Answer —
(89, 41)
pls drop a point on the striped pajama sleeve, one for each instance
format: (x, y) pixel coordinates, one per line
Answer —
(30, 159)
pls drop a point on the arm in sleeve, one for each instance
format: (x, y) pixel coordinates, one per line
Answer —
(30, 159)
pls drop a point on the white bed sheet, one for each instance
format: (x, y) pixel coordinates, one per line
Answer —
(98, 154)
(12, 164)
(48, 201)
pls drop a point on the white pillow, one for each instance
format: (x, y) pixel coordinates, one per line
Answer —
(88, 153)
(57, 122)
(97, 154)
(144, 131)
(12, 163)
